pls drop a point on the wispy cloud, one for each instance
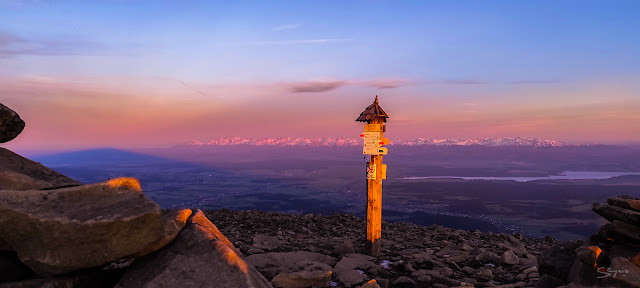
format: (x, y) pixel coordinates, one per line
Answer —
(13, 45)
(286, 27)
(302, 41)
(330, 85)
(457, 82)
(535, 82)
(387, 83)
(316, 86)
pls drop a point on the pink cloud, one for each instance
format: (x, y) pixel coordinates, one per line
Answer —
(387, 83)
(316, 86)
(330, 85)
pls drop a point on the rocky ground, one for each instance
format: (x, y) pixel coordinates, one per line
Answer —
(412, 255)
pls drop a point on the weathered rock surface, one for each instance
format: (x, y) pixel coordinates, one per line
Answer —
(558, 260)
(173, 222)
(625, 229)
(11, 125)
(344, 248)
(623, 270)
(510, 258)
(612, 213)
(626, 202)
(583, 270)
(371, 284)
(200, 256)
(303, 279)
(19, 173)
(265, 242)
(57, 231)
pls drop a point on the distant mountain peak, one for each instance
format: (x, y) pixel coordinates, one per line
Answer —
(297, 141)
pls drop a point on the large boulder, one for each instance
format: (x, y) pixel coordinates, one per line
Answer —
(10, 124)
(612, 213)
(173, 222)
(61, 230)
(200, 256)
(625, 202)
(19, 173)
(558, 260)
(623, 270)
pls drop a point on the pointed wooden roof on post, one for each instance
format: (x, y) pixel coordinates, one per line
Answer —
(374, 110)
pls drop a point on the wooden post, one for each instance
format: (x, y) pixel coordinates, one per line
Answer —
(373, 142)
(374, 204)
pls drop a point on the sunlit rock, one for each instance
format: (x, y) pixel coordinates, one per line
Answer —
(371, 284)
(61, 230)
(200, 256)
(173, 222)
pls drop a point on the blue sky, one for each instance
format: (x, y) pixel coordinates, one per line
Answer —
(496, 56)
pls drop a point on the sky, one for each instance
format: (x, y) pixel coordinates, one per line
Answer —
(130, 74)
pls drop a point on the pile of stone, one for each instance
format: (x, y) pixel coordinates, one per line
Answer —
(327, 251)
(109, 234)
(610, 258)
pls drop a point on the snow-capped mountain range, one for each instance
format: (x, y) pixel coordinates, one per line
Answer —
(296, 141)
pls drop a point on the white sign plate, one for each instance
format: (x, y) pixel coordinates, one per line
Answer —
(370, 135)
(374, 151)
(372, 143)
(370, 151)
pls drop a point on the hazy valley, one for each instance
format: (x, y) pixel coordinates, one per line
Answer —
(329, 178)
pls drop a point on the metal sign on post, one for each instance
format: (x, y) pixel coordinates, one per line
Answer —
(373, 140)
(375, 143)
(374, 150)
(370, 135)
(372, 128)
(371, 171)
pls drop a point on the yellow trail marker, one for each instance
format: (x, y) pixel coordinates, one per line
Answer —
(372, 128)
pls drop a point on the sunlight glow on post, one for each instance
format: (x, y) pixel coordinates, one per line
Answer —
(376, 171)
